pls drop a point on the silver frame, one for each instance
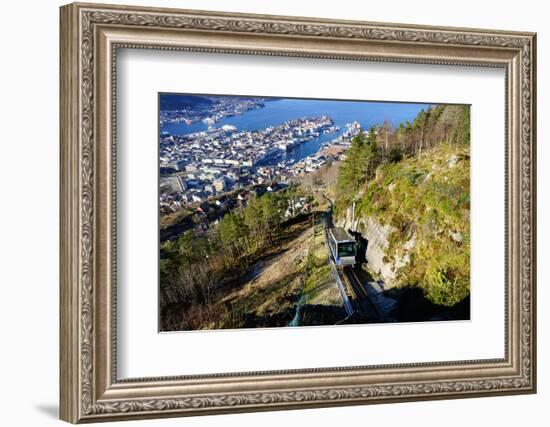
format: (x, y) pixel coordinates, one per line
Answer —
(90, 37)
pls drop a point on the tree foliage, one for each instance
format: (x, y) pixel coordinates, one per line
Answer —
(196, 264)
(359, 164)
(417, 182)
(382, 144)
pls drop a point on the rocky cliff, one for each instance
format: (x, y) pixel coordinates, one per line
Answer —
(377, 244)
(415, 217)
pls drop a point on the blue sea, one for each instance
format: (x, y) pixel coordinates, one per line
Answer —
(277, 111)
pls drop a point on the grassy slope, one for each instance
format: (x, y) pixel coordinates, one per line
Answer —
(427, 198)
(268, 293)
(319, 285)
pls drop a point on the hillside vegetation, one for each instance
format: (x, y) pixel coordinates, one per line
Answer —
(198, 269)
(416, 179)
(427, 199)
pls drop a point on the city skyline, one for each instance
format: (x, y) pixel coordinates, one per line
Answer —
(264, 149)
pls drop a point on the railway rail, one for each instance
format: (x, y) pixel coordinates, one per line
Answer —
(361, 299)
(355, 297)
(359, 305)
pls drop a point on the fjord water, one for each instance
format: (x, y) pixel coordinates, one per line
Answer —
(277, 111)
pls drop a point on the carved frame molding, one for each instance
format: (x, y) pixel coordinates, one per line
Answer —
(90, 37)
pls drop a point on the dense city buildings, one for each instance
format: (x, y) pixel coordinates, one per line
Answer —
(198, 166)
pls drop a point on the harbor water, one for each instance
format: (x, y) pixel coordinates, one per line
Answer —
(278, 111)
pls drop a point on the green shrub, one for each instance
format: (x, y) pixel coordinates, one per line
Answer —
(445, 288)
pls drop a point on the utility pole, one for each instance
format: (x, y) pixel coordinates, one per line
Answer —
(313, 231)
(353, 216)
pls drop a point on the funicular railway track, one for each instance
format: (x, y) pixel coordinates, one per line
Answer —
(363, 307)
(356, 299)
(357, 302)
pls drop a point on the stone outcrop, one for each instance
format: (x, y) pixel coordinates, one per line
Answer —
(377, 235)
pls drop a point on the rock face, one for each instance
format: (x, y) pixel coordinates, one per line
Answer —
(377, 236)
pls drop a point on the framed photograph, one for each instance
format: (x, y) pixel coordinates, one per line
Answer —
(268, 212)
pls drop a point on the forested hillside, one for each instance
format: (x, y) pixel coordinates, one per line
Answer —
(448, 124)
(198, 269)
(414, 181)
(169, 101)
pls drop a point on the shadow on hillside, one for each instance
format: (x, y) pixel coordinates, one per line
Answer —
(311, 315)
(362, 245)
(413, 306)
(322, 315)
(269, 320)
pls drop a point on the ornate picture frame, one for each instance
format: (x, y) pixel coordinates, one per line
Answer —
(90, 37)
